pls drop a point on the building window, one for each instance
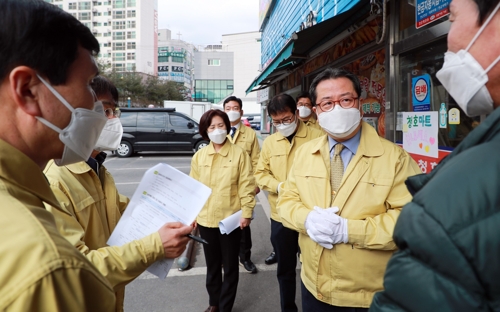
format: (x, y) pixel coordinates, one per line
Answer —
(213, 62)
(130, 66)
(130, 45)
(117, 46)
(85, 16)
(49, 1)
(118, 57)
(118, 14)
(131, 56)
(118, 35)
(177, 59)
(130, 24)
(84, 5)
(130, 3)
(119, 66)
(162, 59)
(118, 4)
(131, 13)
(87, 25)
(60, 6)
(119, 25)
(72, 6)
(96, 24)
(130, 34)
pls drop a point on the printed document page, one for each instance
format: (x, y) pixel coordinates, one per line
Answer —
(164, 195)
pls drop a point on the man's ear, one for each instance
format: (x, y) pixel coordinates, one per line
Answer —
(25, 89)
(242, 113)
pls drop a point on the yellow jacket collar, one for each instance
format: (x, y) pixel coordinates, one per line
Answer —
(223, 151)
(20, 170)
(241, 128)
(79, 168)
(369, 144)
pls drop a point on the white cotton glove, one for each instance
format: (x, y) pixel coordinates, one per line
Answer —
(279, 187)
(325, 227)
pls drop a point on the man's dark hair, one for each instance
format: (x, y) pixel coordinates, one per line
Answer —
(233, 98)
(206, 120)
(102, 85)
(303, 94)
(333, 73)
(485, 8)
(281, 103)
(42, 36)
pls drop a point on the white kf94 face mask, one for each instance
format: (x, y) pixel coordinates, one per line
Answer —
(218, 136)
(287, 130)
(465, 79)
(111, 136)
(81, 134)
(233, 115)
(304, 111)
(340, 122)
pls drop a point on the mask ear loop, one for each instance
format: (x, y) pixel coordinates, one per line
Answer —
(57, 95)
(482, 28)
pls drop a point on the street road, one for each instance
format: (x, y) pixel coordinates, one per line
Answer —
(185, 290)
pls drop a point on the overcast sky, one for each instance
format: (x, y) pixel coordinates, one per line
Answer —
(203, 22)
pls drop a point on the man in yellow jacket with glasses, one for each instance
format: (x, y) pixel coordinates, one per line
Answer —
(343, 195)
(91, 208)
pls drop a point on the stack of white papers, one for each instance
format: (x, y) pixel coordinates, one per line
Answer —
(164, 195)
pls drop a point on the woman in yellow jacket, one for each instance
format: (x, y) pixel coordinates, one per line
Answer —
(225, 168)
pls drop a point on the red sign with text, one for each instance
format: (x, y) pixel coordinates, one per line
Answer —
(425, 163)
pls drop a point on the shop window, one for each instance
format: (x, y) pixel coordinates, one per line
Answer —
(425, 62)
(407, 20)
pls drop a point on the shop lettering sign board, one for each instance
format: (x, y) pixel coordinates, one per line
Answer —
(428, 11)
(421, 93)
(427, 164)
(420, 133)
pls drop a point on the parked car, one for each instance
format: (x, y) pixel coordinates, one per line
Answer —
(254, 120)
(158, 130)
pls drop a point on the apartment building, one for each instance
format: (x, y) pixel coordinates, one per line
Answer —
(176, 60)
(127, 31)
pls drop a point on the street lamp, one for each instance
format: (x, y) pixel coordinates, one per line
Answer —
(128, 101)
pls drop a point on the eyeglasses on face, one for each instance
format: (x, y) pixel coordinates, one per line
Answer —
(116, 112)
(345, 102)
(284, 121)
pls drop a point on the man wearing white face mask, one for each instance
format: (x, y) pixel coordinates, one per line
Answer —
(246, 138)
(276, 158)
(91, 208)
(46, 66)
(449, 235)
(305, 110)
(343, 195)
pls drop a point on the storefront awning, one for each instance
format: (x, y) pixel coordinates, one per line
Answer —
(311, 37)
(304, 41)
(279, 63)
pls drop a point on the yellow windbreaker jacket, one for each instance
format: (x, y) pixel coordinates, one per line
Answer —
(229, 174)
(370, 197)
(39, 269)
(313, 123)
(276, 159)
(90, 208)
(246, 138)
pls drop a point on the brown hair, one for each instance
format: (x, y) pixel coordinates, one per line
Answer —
(206, 120)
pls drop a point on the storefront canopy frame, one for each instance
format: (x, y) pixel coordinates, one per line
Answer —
(296, 50)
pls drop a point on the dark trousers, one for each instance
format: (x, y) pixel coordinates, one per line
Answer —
(286, 245)
(245, 244)
(311, 304)
(221, 253)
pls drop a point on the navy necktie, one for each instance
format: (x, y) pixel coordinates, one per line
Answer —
(233, 131)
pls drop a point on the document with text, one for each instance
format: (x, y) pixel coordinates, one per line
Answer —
(164, 195)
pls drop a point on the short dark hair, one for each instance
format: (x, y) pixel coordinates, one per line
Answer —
(206, 120)
(281, 103)
(303, 94)
(42, 36)
(102, 85)
(485, 8)
(233, 98)
(333, 73)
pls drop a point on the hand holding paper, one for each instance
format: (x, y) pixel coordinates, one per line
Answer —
(174, 238)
